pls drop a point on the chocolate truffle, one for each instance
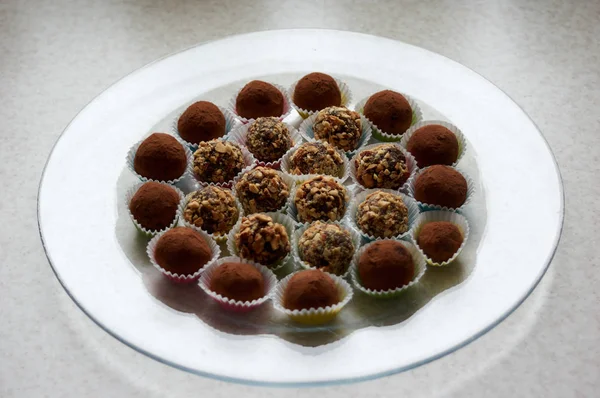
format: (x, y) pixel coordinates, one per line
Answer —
(259, 99)
(160, 157)
(238, 281)
(268, 139)
(382, 215)
(328, 247)
(182, 251)
(262, 190)
(310, 289)
(201, 121)
(154, 205)
(389, 111)
(383, 166)
(262, 240)
(439, 240)
(441, 185)
(317, 91)
(433, 144)
(321, 198)
(316, 157)
(339, 126)
(212, 209)
(218, 161)
(385, 265)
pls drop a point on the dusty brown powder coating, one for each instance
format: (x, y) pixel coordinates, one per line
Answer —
(328, 247)
(268, 139)
(238, 281)
(154, 205)
(160, 157)
(201, 121)
(390, 111)
(317, 91)
(212, 209)
(310, 289)
(386, 265)
(433, 144)
(339, 126)
(259, 99)
(316, 157)
(441, 185)
(182, 251)
(218, 161)
(321, 198)
(383, 166)
(262, 190)
(262, 240)
(382, 215)
(439, 240)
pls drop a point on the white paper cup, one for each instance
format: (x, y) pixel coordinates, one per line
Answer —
(287, 107)
(462, 142)
(249, 162)
(149, 232)
(230, 124)
(345, 91)
(426, 206)
(286, 164)
(286, 179)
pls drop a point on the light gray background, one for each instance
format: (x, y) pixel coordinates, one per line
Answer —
(55, 56)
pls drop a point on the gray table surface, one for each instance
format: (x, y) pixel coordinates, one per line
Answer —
(55, 56)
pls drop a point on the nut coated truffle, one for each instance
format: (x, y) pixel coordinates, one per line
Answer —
(259, 99)
(441, 185)
(160, 157)
(433, 144)
(382, 215)
(321, 198)
(328, 247)
(201, 121)
(154, 205)
(238, 281)
(262, 240)
(182, 251)
(439, 240)
(317, 91)
(218, 161)
(316, 157)
(389, 111)
(310, 289)
(212, 209)
(268, 139)
(339, 126)
(383, 166)
(386, 265)
(262, 190)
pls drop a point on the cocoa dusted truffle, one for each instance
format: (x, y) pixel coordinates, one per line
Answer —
(441, 185)
(201, 121)
(262, 190)
(182, 251)
(259, 99)
(212, 209)
(316, 157)
(317, 91)
(339, 126)
(268, 139)
(383, 166)
(218, 161)
(386, 265)
(238, 281)
(160, 157)
(382, 215)
(439, 240)
(154, 205)
(328, 247)
(310, 289)
(262, 240)
(433, 144)
(390, 111)
(321, 198)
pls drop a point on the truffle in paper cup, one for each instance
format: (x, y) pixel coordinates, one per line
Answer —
(313, 316)
(343, 173)
(345, 92)
(230, 124)
(381, 135)
(269, 278)
(427, 207)
(180, 278)
(418, 261)
(149, 232)
(287, 107)
(440, 215)
(249, 162)
(286, 179)
(462, 142)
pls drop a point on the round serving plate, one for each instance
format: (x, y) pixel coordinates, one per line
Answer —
(99, 258)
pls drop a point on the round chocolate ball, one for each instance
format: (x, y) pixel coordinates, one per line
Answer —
(154, 205)
(310, 289)
(218, 161)
(318, 157)
(262, 190)
(390, 111)
(328, 247)
(383, 166)
(212, 209)
(262, 240)
(160, 157)
(441, 185)
(439, 240)
(182, 251)
(386, 265)
(201, 121)
(317, 91)
(268, 139)
(339, 126)
(433, 144)
(238, 281)
(259, 99)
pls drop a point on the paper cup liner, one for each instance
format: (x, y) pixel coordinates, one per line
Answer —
(279, 218)
(230, 124)
(411, 164)
(427, 207)
(249, 162)
(188, 169)
(306, 130)
(462, 142)
(286, 159)
(269, 277)
(410, 203)
(381, 135)
(356, 240)
(151, 232)
(420, 268)
(180, 278)
(286, 179)
(313, 316)
(440, 215)
(304, 113)
(287, 107)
